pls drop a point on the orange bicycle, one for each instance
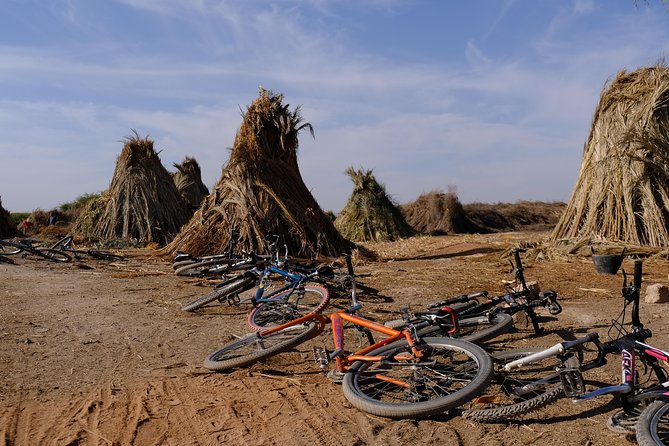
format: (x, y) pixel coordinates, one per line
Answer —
(403, 375)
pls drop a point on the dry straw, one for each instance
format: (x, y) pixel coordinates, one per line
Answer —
(369, 214)
(261, 192)
(188, 180)
(7, 226)
(142, 202)
(438, 213)
(622, 192)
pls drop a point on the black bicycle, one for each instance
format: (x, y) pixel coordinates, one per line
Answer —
(528, 379)
(26, 247)
(65, 245)
(481, 317)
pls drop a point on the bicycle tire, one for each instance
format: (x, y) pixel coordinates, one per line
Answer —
(105, 255)
(180, 263)
(285, 307)
(402, 323)
(55, 255)
(425, 389)
(201, 269)
(476, 329)
(652, 428)
(498, 402)
(254, 347)
(7, 250)
(221, 293)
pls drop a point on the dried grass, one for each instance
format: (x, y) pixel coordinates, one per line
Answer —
(142, 202)
(7, 226)
(369, 214)
(438, 213)
(622, 193)
(522, 215)
(188, 180)
(261, 192)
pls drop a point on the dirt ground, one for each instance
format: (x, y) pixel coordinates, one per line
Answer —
(101, 354)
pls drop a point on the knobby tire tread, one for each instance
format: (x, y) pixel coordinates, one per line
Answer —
(511, 411)
(648, 432)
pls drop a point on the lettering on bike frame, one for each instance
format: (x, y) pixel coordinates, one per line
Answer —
(628, 366)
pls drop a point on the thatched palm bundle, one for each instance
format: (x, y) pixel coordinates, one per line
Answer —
(7, 226)
(188, 180)
(261, 192)
(622, 193)
(369, 214)
(437, 213)
(142, 202)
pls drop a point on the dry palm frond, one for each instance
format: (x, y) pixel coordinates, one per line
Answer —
(261, 192)
(142, 202)
(7, 226)
(437, 213)
(369, 214)
(188, 180)
(622, 193)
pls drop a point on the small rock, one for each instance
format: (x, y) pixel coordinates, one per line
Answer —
(657, 293)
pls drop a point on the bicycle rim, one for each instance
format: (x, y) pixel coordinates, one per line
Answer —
(254, 347)
(288, 306)
(451, 372)
(53, 254)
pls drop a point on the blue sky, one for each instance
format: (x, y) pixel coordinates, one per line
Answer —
(495, 98)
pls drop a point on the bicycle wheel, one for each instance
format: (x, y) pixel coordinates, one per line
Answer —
(201, 269)
(652, 428)
(231, 287)
(7, 249)
(254, 347)
(402, 323)
(4, 259)
(288, 306)
(517, 392)
(178, 264)
(104, 255)
(450, 373)
(475, 329)
(54, 255)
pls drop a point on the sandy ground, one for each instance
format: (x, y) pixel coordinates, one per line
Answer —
(101, 354)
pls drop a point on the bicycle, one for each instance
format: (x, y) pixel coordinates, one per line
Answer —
(214, 265)
(482, 321)
(26, 247)
(294, 298)
(399, 376)
(526, 380)
(65, 245)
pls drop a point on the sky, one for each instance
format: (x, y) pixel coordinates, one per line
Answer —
(490, 98)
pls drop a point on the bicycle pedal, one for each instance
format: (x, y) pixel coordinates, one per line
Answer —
(321, 356)
(335, 376)
(572, 382)
(233, 300)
